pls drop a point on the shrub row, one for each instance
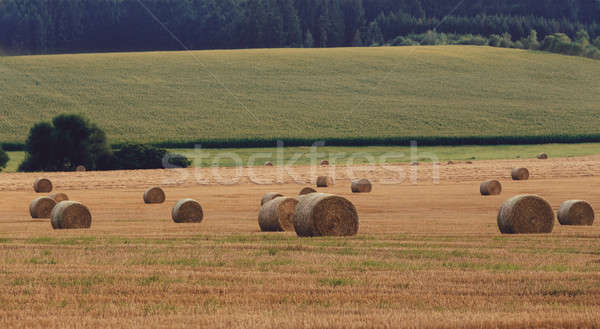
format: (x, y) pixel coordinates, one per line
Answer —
(384, 141)
(363, 141)
(555, 43)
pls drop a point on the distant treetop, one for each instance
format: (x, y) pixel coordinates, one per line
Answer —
(41, 26)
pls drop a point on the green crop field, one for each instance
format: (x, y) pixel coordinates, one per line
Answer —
(305, 93)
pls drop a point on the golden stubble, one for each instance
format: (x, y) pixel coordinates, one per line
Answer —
(425, 256)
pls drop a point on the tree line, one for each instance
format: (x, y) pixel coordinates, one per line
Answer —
(59, 26)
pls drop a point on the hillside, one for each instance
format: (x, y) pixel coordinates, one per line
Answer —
(305, 93)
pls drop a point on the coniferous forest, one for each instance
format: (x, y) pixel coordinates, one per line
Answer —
(64, 26)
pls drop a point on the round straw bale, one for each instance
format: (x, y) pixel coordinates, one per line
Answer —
(324, 163)
(42, 185)
(187, 211)
(277, 215)
(320, 214)
(41, 207)
(542, 156)
(520, 174)
(58, 197)
(469, 162)
(269, 196)
(324, 181)
(307, 190)
(80, 168)
(525, 214)
(576, 212)
(361, 186)
(268, 164)
(450, 162)
(490, 187)
(154, 195)
(70, 215)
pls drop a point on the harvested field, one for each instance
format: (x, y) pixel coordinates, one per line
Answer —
(426, 255)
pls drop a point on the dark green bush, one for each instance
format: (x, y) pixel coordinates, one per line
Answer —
(140, 156)
(593, 52)
(433, 38)
(3, 159)
(495, 40)
(531, 42)
(403, 41)
(469, 39)
(506, 41)
(68, 142)
(178, 161)
(558, 43)
(581, 46)
(519, 45)
(38, 148)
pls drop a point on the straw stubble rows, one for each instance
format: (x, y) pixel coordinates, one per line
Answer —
(425, 255)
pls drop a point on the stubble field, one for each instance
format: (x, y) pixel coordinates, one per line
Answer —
(427, 255)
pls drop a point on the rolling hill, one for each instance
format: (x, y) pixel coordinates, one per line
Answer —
(305, 93)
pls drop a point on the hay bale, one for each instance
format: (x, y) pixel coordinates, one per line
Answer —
(520, 174)
(307, 190)
(187, 211)
(324, 163)
(525, 214)
(450, 162)
(59, 197)
(542, 156)
(41, 207)
(80, 168)
(361, 186)
(269, 196)
(154, 195)
(70, 215)
(268, 164)
(320, 214)
(324, 181)
(277, 215)
(42, 185)
(576, 212)
(414, 163)
(469, 162)
(490, 187)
